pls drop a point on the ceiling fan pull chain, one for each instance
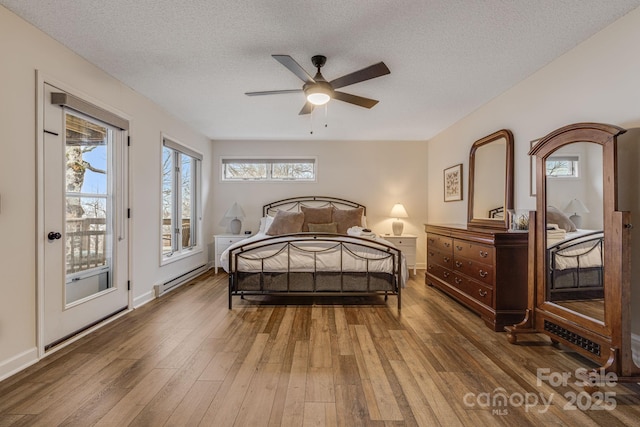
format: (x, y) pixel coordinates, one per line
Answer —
(311, 121)
(326, 114)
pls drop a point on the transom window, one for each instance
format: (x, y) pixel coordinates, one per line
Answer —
(562, 166)
(268, 169)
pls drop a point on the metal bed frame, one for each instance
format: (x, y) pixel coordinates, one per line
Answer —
(315, 281)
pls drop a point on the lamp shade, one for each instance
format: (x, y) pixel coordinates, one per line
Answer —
(576, 206)
(398, 211)
(235, 211)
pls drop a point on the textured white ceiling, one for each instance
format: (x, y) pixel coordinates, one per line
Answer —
(196, 58)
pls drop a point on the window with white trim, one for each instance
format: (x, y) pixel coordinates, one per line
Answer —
(180, 198)
(268, 169)
(563, 166)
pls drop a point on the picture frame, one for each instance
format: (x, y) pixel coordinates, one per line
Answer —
(532, 169)
(453, 183)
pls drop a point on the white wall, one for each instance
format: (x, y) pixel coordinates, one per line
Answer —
(598, 81)
(377, 174)
(24, 50)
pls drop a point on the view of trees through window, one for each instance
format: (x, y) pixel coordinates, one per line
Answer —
(179, 201)
(562, 166)
(268, 169)
(87, 193)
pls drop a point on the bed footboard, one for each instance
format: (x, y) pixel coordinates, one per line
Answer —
(575, 268)
(315, 264)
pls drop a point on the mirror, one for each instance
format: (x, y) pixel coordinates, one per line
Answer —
(491, 181)
(575, 229)
(582, 298)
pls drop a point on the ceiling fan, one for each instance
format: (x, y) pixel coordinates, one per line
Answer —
(318, 91)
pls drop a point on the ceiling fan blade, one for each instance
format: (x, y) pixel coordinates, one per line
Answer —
(371, 72)
(306, 109)
(294, 67)
(273, 92)
(355, 99)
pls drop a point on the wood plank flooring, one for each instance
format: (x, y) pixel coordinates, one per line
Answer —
(186, 360)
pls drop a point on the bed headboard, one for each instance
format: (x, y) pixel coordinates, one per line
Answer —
(293, 204)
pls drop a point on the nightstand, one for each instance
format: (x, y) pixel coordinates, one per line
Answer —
(407, 244)
(222, 242)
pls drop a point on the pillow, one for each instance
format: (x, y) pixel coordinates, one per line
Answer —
(555, 216)
(286, 222)
(331, 227)
(347, 218)
(265, 223)
(315, 216)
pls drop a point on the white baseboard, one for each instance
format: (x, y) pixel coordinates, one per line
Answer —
(143, 299)
(18, 363)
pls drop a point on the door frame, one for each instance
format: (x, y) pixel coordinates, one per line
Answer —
(42, 78)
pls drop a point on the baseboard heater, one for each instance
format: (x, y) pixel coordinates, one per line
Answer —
(180, 280)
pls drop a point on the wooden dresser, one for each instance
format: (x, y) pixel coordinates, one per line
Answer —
(484, 269)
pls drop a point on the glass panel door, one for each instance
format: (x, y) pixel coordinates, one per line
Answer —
(88, 200)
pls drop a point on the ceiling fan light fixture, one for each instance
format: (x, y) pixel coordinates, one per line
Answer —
(318, 98)
(319, 93)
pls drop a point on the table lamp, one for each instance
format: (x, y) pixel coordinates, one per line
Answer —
(577, 207)
(398, 211)
(236, 214)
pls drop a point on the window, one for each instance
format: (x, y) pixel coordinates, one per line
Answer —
(562, 166)
(180, 198)
(268, 169)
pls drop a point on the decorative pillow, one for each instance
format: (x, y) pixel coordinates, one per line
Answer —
(316, 216)
(331, 227)
(555, 216)
(285, 223)
(347, 218)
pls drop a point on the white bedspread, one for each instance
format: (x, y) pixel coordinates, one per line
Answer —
(584, 251)
(308, 256)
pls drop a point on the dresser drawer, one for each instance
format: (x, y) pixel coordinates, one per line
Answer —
(474, 269)
(440, 243)
(222, 243)
(440, 272)
(437, 257)
(476, 290)
(474, 251)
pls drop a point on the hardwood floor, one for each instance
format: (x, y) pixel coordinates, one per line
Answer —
(185, 359)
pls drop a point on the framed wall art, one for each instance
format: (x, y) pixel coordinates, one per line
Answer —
(453, 183)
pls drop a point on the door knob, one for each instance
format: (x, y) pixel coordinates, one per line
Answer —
(54, 235)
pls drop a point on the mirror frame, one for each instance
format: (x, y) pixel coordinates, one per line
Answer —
(500, 224)
(603, 135)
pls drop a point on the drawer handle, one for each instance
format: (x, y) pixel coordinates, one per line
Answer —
(446, 259)
(458, 264)
(458, 247)
(445, 274)
(431, 254)
(432, 240)
(430, 267)
(458, 280)
(484, 254)
(483, 274)
(447, 244)
(482, 293)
